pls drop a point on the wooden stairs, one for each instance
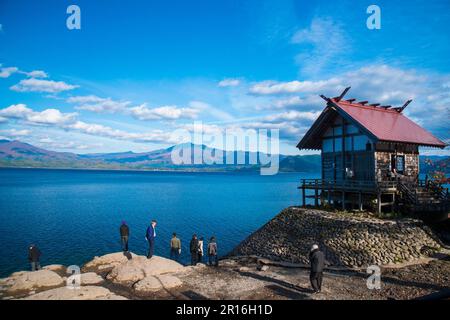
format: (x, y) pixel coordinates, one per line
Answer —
(428, 200)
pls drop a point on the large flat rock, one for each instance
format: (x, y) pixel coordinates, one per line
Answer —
(140, 267)
(90, 278)
(26, 281)
(148, 284)
(159, 265)
(155, 283)
(82, 293)
(108, 261)
(128, 272)
(56, 268)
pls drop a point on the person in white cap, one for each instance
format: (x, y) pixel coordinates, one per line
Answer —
(317, 260)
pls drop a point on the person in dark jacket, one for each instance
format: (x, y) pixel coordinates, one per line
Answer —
(193, 248)
(124, 236)
(212, 252)
(150, 235)
(317, 260)
(34, 255)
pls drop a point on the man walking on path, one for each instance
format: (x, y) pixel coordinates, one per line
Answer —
(33, 256)
(124, 236)
(175, 247)
(193, 248)
(317, 260)
(212, 252)
(150, 235)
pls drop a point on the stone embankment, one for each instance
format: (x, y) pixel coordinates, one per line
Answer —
(347, 240)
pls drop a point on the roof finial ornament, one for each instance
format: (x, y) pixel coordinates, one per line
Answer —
(342, 94)
(400, 109)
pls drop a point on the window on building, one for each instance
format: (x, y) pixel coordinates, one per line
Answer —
(398, 163)
(327, 145)
(368, 146)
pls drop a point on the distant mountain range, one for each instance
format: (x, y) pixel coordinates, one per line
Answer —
(20, 154)
(24, 155)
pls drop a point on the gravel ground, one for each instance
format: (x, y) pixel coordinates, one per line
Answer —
(237, 279)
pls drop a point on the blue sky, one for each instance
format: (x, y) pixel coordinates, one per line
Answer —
(138, 70)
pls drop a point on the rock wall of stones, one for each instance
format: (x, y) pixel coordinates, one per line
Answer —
(346, 240)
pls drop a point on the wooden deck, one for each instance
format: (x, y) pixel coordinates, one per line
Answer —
(415, 196)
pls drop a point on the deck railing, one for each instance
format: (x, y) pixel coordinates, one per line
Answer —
(363, 185)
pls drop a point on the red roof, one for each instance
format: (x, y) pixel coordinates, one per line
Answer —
(388, 124)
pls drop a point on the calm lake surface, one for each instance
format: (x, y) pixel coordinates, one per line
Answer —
(74, 215)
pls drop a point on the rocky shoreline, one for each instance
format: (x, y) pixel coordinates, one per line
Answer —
(270, 264)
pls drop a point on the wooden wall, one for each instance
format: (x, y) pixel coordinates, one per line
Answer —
(383, 165)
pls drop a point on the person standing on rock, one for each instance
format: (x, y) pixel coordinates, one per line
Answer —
(175, 247)
(200, 250)
(317, 260)
(34, 255)
(150, 235)
(212, 252)
(124, 236)
(193, 248)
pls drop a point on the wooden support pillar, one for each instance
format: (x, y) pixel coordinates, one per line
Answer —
(379, 202)
(303, 196)
(360, 204)
(316, 197)
(343, 200)
(394, 204)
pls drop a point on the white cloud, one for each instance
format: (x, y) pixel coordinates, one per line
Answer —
(37, 74)
(16, 111)
(48, 142)
(48, 116)
(51, 116)
(105, 131)
(142, 112)
(16, 133)
(297, 102)
(293, 115)
(85, 99)
(272, 87)
(229, 82)
(6, 72)
(97, 104)
(39, 85)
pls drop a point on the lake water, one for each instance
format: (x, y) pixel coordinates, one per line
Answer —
(74, 215)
